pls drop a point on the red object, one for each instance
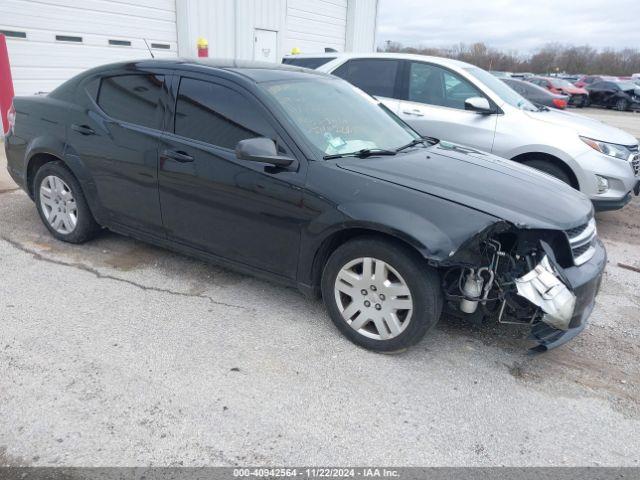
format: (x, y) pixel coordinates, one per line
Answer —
(559, 103)
(558, 86)
(203, 51)
(6, 84)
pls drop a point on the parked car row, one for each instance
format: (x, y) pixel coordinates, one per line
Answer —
(578, 97)
(538, 95)
(598, 90)
(298, 176)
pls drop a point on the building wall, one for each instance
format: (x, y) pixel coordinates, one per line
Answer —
(315, 24)
(310, 25)
(40, 62)
(362, 21)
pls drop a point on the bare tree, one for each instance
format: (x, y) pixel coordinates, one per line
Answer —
(549, 59)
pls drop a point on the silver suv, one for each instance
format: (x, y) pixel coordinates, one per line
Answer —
(461, 103)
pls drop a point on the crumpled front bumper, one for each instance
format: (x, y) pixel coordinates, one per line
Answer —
(585, 283)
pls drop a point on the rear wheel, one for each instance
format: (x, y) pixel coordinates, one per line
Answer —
(550, 169)
(380, 295)
(621, 105)
(61, 204)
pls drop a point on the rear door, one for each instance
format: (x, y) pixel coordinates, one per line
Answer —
(379, 77)
(247, 212)
(114, 129)
(433, 104)
(600, 93)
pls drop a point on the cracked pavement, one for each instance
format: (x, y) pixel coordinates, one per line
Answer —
(118, 353)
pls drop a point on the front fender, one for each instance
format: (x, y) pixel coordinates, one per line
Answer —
(436, 232)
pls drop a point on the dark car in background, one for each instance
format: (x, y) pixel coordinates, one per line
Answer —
(578, 97)
(621, 94)
(304, 179)
(537, 95)
(585, 80)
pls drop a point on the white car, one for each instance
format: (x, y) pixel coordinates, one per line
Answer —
(461, 103)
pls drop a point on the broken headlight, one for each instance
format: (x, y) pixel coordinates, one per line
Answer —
(515, 278)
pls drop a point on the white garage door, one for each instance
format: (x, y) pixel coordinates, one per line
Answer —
(49, 41)
(313, 25)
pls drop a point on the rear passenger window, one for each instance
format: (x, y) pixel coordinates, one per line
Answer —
(132, 98)
(434, 85)
(374, 76)
(217, 115)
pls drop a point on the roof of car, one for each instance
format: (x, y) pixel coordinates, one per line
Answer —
(256, 71)
(401, 56)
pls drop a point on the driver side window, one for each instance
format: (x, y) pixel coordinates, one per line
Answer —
(434, 85)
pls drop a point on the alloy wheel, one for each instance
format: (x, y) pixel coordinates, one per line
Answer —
(58, 204)
(373, 298)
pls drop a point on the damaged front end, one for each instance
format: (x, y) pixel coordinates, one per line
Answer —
(547, 279)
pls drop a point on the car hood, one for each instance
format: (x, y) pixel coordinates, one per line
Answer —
(484, 182)
(584, 126)
(574, 90)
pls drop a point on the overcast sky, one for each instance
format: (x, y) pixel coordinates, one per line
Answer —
(522, 25)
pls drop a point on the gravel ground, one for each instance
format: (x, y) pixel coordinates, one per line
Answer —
(117, 353)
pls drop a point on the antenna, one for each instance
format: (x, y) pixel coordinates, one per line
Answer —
(150, 52)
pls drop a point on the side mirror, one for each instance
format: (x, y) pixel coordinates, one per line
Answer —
(479, 105)
(263, 150)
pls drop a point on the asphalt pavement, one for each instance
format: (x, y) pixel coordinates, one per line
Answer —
(118, 353)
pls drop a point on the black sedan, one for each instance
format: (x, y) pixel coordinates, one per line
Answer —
(622, 95)
(300, 177)
(537, 95)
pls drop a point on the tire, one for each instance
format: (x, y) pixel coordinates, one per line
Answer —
(60, 200)
(621, 105)
(587, 101)
(406, 272)
(550, 169)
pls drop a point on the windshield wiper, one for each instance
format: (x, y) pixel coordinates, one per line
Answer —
(418, 141)
(364, 153)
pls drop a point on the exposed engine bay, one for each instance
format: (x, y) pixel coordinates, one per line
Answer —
(513, 276)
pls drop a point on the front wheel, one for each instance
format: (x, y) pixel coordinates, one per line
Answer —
(621, 105)
(381, 295)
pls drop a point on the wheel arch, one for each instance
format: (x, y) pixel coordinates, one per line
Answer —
(34, 163)
(38, 156)
(339, 237)
(524, 157)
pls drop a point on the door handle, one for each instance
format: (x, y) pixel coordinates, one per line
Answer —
(177, 155)
(83, 129)
(415, 112)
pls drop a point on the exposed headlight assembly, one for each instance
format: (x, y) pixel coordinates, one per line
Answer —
(611, 149)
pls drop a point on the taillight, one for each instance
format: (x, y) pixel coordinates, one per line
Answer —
(11, 117)
(559, 103)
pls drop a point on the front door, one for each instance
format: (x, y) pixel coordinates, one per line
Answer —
(243, 211)
(433, 104)
(265, 46)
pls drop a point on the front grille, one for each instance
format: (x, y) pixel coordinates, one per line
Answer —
(581, 250)
(581, 240)
(573, 232)
(635, 164)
